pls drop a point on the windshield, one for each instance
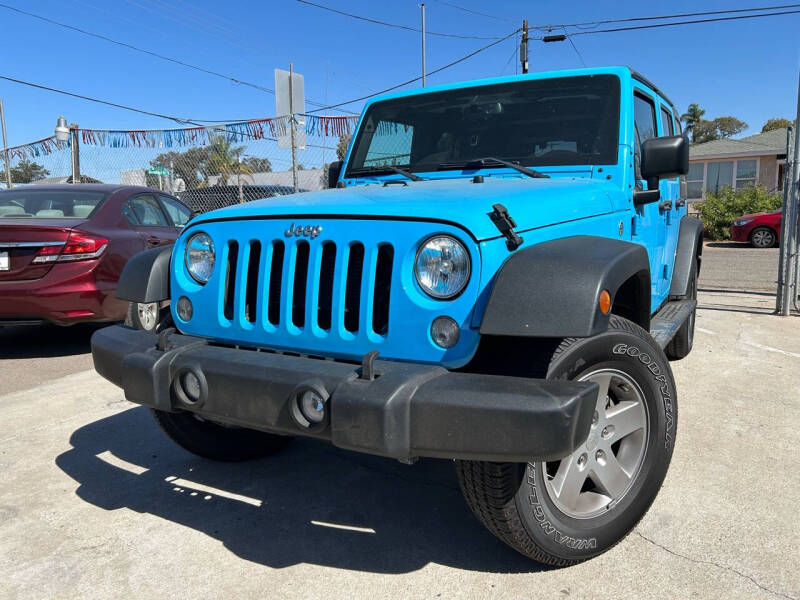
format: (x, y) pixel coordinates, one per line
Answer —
(49, 204)
(562, 121)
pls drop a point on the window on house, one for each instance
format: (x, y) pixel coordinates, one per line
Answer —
(666, 123)
(694, 180)
(745, 173)
(719, 175)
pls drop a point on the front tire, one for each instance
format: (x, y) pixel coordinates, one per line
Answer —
(217, 442)
(148, 316)
(567, 511)
(763, 237)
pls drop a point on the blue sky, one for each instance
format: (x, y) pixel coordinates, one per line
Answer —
(745, 68)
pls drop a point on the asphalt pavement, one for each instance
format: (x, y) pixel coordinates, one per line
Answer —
(95, 502)
(732, 266)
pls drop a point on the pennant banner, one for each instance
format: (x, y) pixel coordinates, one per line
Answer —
(241, 132)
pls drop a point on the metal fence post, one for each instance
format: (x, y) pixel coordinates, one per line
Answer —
(784, 255)
(76, 154)
(788, 267)
(5, 146)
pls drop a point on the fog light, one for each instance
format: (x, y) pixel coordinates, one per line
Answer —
(445, 332)
(309, 406)
(191, 386)
(312, 405)
(185, 309)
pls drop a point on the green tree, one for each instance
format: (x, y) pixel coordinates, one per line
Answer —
(27, 171)
(776, 123)
(341, 147)
(729, 126)
(692, 116)
(189, 166)
(257, 164)
(704, 131)
(223, 158)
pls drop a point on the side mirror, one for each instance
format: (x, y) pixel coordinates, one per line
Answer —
(334, 170)
(665, 157)
(662, 157)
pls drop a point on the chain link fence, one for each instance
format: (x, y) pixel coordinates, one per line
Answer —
(206, 167)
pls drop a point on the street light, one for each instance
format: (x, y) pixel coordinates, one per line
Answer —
(62, 131)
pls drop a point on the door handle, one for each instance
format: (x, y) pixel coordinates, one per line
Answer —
(153, 240)
(681, 202)
(665, 205)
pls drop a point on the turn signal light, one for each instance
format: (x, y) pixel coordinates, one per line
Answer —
(79, 246)
(605, 302)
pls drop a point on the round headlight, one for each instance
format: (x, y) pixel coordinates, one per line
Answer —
(442, 267)
(199, 257)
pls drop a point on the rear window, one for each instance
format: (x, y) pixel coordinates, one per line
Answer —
(50, 204)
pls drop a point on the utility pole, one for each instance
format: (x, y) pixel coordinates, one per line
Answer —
(292, 129)
(5, 146)
(422, 8)
(523, 46)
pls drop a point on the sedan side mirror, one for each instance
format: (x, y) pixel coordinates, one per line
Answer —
(334, 170)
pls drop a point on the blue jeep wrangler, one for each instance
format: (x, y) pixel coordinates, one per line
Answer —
(498, 276)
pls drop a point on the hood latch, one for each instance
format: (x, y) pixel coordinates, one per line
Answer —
(505, 224)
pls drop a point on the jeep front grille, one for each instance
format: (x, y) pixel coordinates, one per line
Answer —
(298, 284)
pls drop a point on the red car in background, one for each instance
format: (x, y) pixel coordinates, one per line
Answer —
(761, 230)
(62, 249)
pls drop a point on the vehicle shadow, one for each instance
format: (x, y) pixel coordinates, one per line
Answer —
(312, 503)
(46, 341)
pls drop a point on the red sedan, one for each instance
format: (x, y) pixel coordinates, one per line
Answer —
(62, 249)
(761, 230)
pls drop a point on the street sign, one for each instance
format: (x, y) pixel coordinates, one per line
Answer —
(158, 171)
(284, 105)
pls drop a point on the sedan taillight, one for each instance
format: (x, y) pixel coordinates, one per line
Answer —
(79, 246)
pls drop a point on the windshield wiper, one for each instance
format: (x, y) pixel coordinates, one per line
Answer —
(478, 163)
(384, 169)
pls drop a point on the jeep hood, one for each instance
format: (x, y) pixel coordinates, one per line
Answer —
(531, 203)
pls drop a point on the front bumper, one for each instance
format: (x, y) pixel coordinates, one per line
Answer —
(740, 233)
(407, 411)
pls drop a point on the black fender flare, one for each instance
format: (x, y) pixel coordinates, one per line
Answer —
(145, 277)
(552, 289)
(689, 248)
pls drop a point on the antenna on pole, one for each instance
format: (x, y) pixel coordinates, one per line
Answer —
(422, 9)
(523, 47)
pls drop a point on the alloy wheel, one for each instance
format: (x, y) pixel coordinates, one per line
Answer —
(602, 471)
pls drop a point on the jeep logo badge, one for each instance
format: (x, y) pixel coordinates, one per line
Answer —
(311, 231)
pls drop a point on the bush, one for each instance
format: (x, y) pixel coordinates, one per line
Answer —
(718, 211)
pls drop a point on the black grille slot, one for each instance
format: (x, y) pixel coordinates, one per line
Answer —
(251, 291)
(352, 294)
(326, 272)
(383, 289)
(275, 276)
(299, 288)
(230, 280)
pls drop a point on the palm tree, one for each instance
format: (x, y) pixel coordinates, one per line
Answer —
(223, 159)
(692, 116)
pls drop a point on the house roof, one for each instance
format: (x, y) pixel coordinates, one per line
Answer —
(771, 142)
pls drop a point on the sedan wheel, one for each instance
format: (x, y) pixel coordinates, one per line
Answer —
(762, 237)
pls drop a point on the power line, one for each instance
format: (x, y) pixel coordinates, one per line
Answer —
(574, 47)
(664, 17)
(147, 52)
(98, 101)
(676, 23)
(395, 25)
(475, 12)
(429, 73)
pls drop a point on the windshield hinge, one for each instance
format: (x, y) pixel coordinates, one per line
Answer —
(505, 224)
